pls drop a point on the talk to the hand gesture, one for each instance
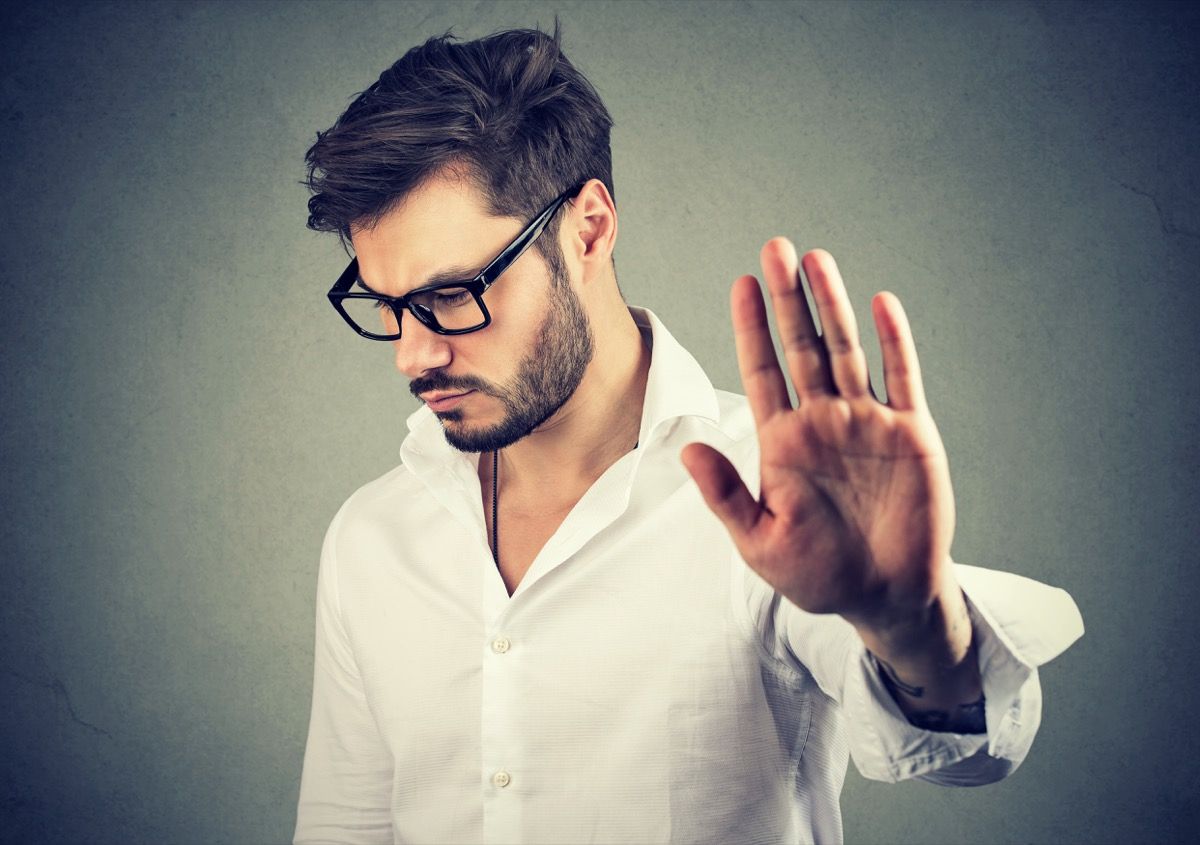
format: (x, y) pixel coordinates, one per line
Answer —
(855, 512)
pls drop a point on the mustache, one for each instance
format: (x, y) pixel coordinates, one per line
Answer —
(440, 381)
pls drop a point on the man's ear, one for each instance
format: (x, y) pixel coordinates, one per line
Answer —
(593, 227)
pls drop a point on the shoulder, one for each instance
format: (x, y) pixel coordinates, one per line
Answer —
(374, 507)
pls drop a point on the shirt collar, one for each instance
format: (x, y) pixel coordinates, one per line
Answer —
(676, 386)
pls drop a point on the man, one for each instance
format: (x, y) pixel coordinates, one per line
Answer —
(565, 616)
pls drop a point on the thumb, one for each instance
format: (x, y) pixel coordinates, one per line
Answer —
(722, 488)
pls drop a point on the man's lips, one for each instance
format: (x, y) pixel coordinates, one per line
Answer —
(443, 401)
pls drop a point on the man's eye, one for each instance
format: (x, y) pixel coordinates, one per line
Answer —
(451, 298)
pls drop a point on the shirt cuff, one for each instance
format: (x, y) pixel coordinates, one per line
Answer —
(1017, 624)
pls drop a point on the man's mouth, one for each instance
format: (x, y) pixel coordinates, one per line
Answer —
(444, 401)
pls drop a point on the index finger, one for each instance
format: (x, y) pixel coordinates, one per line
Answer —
(762, 377)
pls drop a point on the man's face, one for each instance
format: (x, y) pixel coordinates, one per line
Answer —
(515, 374)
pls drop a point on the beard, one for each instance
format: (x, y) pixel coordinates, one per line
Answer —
(546, 377)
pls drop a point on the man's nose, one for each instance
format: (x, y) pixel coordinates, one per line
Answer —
(419, 349)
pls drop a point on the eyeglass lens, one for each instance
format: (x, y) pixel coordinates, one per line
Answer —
(450, 308)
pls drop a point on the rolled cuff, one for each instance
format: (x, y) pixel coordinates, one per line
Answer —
(1017, 624)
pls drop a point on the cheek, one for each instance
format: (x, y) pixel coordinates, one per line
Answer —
(518, 306)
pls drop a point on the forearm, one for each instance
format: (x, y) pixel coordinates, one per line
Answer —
(929, 664)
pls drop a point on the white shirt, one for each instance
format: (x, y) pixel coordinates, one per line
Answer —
(641, 685)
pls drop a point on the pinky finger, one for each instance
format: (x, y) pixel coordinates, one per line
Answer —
(901, 370)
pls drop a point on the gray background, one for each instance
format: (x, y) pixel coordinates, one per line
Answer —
(183, 412)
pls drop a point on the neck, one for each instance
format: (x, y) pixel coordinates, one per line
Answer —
(597, 425)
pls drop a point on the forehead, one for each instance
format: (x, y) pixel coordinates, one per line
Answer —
(441, 226)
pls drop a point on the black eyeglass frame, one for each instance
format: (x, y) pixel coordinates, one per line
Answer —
(487, 277)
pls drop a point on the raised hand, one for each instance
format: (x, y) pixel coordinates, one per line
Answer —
(855, 512)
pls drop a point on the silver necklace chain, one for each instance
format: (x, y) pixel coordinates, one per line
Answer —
(495, 523)
(495, 528)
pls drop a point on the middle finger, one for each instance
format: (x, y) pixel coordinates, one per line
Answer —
(840, 332)
(807, 358)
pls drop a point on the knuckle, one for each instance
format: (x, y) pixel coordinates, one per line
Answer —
(800, 340)
(842, 344)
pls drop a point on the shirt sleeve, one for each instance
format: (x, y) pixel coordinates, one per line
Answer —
(345, 787)
(1018, 625)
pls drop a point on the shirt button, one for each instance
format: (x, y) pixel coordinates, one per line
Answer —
(501, 779)
(500, 645)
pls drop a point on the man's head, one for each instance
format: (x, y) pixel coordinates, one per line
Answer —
(507, 111)
(438, 166)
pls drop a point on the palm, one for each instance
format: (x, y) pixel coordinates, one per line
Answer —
(855, 511)
(847, 512)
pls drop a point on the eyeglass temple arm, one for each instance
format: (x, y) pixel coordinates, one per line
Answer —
(517, 247)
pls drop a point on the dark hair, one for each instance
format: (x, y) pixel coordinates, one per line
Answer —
(507, 111)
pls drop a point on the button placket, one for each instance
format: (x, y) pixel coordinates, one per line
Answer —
(500, 734)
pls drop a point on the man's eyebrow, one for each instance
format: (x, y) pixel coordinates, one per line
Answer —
(453, 274)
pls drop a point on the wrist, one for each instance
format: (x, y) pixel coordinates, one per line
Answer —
(926, 646)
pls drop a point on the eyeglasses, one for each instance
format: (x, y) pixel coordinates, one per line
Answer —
(445, 308)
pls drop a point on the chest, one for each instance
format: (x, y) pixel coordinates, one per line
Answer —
(615, 685)
(521, 533)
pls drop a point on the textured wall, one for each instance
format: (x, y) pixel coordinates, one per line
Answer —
(183, 412)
